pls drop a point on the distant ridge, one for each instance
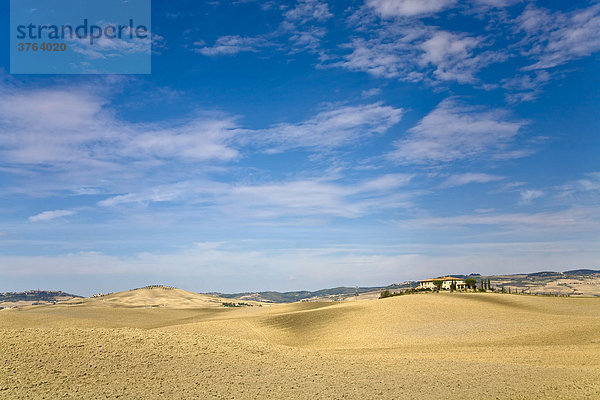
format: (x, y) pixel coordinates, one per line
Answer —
(582, 272)
(34, 297)
(290, 297)
(534, 281)
(37, 295)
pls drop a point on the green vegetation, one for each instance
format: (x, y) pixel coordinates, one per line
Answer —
(236, 304)
(387, 293)
(470, 283)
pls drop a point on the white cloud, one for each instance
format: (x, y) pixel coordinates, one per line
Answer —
(554, 38)
(577, 219)
(287, 199)
(453, 56)
(298, 26)
(231, 45)
(370, 92)
(308, 10)
(201, 139)
(526, 87)
(527, 196)
(495, 3)
(104, 47)
(65, 109)
(587, 186)
(408, 8)
(188, 191)
(386, 182)
(414, 52)
(50, 215)
(455, 131)
(76, 126)
(465, 179)
(308, 39)
(388, 51)
(590, 183)
(332, 128)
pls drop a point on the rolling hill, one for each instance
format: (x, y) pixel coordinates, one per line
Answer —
(156, 296)
(430, 345)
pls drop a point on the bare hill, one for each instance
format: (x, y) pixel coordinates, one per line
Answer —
(154, 297)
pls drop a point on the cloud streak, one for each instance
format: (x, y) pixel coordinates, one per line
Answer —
(468, 178)
(455, 131)
(554, 38)
(50, 215)
(331, 128)
(274, 200)
(408, 8)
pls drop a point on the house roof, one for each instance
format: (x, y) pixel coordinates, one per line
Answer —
(443, 278)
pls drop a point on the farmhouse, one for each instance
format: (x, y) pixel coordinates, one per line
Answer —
(446, 283)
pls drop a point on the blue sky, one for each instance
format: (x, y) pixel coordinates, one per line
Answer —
(302, 145)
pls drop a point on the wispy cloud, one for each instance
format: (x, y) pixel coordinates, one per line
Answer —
(300, 30)
(50, 215)
(453, 56)
(231, 45)
(331, 128)
(527, 196)
(370, 92)
(526, 87)
(76, 126)
(468, 178)
(308, 10)
(586, 186)
(303, 25)
(496, 3)
(577, 219)
(287, 199)
(408, 8)
(554, 38)
(411, 51)
(103, 48)
(379, 58)
(456, 131)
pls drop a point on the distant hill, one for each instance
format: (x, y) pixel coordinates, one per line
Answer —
(155, 296)
(582, 272)
(578, 282)
(10, 299)
(337, 293)
(585, 282)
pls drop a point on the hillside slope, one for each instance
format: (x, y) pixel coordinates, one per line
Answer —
(154, 296)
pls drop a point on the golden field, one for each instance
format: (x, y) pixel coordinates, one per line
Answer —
(159, 343)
